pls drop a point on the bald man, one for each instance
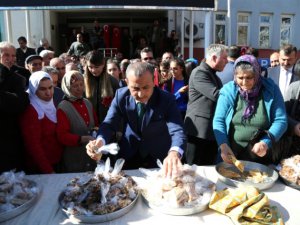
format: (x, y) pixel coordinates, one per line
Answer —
(60, 66)
(274, 59)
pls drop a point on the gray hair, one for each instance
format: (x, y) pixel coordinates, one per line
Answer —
(215, 49)
(139, 69)
(44, 53)
(56, 60)
(5, 44)
(50, 70)
(71, 66)
(245, 67)
(43, 41)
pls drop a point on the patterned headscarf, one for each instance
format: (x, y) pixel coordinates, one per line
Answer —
(68, 79)
(250, 96)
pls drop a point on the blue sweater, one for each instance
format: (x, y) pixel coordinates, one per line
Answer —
(274, 104)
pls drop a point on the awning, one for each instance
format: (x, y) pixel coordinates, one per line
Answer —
(128, 4)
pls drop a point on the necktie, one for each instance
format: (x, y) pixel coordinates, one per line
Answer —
(140, 112)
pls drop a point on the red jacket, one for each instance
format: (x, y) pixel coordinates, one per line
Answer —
(42, 147)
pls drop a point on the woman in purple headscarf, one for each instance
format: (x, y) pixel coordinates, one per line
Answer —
(246, 105)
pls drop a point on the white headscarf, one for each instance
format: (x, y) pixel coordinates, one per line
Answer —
(42, 107)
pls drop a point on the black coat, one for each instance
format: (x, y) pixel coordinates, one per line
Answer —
(21, 56)
(13, 101)
(204, 87)
(22, 72)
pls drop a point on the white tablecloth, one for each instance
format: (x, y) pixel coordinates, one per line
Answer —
(47, 211)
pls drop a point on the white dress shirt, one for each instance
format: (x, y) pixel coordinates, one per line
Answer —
(285, 79)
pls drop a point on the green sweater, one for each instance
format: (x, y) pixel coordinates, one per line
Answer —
(242, 132)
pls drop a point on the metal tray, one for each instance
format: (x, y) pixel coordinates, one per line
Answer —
(97, 218)
(182, 211)
(289, 183)
(22, 208)
(273, 175)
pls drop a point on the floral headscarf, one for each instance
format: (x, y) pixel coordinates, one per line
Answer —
(68, 79)
(250, 96)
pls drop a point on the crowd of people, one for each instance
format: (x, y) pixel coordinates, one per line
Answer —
(57, 111)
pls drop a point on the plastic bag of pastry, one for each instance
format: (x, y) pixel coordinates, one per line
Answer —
(176, 197)
(184, 194)
(118, 167)
(104, 190)
(112, 148)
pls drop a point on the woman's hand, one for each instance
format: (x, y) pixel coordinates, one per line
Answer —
(184, 89)
(226, 153)
(260, 149)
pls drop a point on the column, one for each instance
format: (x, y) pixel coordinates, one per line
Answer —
(8, 26)
(208, 30)
(27, 25)
(182, 34)
(191, 38)
(229, 22)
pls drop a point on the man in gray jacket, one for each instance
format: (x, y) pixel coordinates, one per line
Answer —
(204, 86)
(283, 75)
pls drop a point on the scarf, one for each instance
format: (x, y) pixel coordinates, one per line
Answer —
(250, 96)
(68, 79)
(42, 107)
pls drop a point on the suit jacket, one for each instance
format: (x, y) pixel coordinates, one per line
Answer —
(21, 56)
(162, 126)
(274, 73)
(22, 72)
(204, 86)
(291, 100)
(13, 102)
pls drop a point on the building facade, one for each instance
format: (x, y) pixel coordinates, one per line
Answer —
(262, 24)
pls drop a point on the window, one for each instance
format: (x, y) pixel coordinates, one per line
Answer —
(265, 30)
(220, 28)
(285, 29)
(243, 29)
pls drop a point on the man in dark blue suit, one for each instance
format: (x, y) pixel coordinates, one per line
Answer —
(158, 135)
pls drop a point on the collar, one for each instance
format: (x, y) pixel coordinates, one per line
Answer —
(136, 102)
(290, 70)
(206, 66)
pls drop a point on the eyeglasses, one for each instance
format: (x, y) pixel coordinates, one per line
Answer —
(60, 68)
(148, 58)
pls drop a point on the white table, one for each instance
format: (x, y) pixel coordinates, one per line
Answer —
(47, 211)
